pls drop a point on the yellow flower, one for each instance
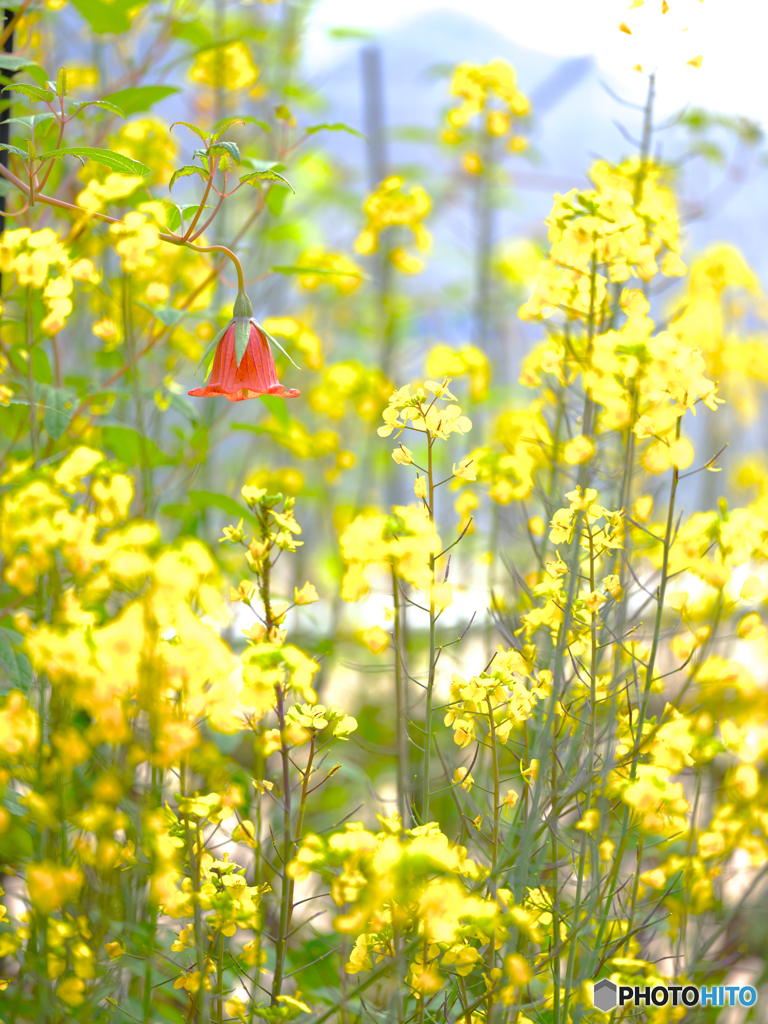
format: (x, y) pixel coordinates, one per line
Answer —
(375, 639)
(307, 594)
(392, 205)
(589, 822)
(578, 450)
(71, 991)
(230, 66)
(466, 470)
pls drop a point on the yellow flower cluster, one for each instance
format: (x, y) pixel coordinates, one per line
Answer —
(621, 226)
(405, 541)
(476, 83)
(391, 205)
(40, 260)
(418, 412)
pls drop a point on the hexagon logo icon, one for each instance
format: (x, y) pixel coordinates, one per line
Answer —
(604, 996)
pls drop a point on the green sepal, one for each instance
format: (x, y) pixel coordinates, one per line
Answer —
(207, 359)
(274, 341)
(242, 334)
(242, 306)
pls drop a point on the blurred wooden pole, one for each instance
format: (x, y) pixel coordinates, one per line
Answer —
(5, 107)
(373, 114)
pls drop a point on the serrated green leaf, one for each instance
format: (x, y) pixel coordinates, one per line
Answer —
(242, 334)
(185, 172)
(338, 127)
(13, 149)
(220, 128)
(115, 161)
(226, 152)
(254, 177)
(141, 98)
(61, 82)
(34, 92)
(192, 127)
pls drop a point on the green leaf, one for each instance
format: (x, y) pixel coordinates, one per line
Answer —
(32, 91)
(204, 499)
(242, 334)
(11, 62)
(41, 370)
(193, 31)
(210, 351)
(177, 210)
(104, 104)
(278, 408)
(253, 428)
(317, 270)
(59, 407)
(39, 75)
(103, 17)
(130, 447)
(115, 161)
(257, 176)
(16, 666)
(6, 187)
(13, 149)
(275, 200)
(199, 501)
(61, 82)
(32, 121)
(261, 165)
(165, 314)
(220, 128)
(136, 101)
(193, 128)
(184, 172)
(338, 127)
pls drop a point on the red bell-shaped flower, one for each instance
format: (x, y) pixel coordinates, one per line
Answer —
(256, 374)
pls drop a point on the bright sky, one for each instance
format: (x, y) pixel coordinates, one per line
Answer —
(729, 34)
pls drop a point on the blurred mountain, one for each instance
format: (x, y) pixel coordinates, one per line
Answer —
(575, 118)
